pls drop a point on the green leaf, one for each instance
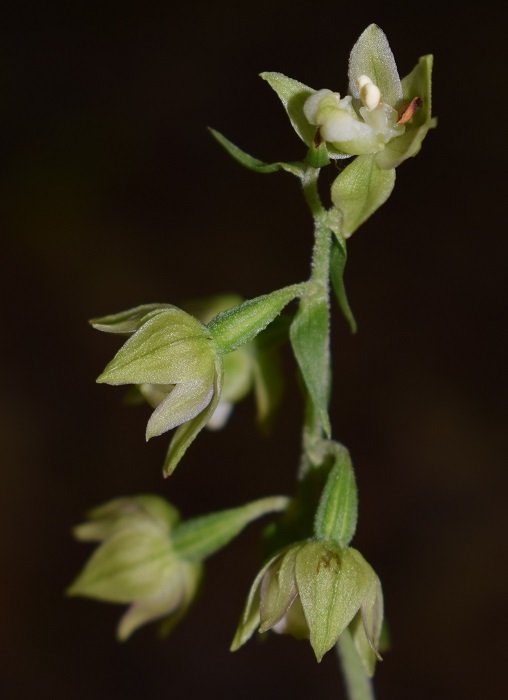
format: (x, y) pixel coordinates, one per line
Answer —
(201, 537)
(337, 512)
(252, 163)
(360, 189)
(243, 323)
(187, 432)
(416, 84)
(373, 57)
(332, 584)
(129, 321)
(310, 340)
(338, 260)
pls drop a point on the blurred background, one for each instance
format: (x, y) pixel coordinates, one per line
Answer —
(113, 194)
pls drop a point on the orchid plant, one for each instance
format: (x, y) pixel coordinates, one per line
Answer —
(193, 365)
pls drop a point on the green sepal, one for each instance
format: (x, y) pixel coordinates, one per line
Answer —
(417, 84)
(310, 341)
(201, 537)
(373, 57)
(338, 258)
(332, 584)
(186, 433)
(127, 322)
(293, 96)
(367, 625)
(169, 348)
(183, 403)
(360, 189)
(129, 565)
(279, 591)
(243, 323)
(251, 163)
(268, 386)
(121, 513)
(250, 618)
(171, 603)
(337, 512)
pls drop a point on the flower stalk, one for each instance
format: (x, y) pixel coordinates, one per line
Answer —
(192, 370)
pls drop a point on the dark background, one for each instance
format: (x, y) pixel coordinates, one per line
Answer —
(113, 194)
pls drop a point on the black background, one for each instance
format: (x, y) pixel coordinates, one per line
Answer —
(113, 194)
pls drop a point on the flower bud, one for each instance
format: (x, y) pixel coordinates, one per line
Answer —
(314, 590)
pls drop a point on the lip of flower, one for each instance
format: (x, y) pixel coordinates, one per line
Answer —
(362, 133)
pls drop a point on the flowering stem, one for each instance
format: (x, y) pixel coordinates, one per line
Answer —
(358, 685)
(318, 292)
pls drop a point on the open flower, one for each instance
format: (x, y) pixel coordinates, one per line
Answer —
(170, 354)
(136, 563)
(315, 590)
(365, 132)
(381, 114)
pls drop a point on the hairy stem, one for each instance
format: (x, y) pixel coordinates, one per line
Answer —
(318, 291)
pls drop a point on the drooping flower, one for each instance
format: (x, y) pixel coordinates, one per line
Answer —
(149, 559)
(171, 354)
(178, 360)
(136, 564)
(315, 590)
(245, 369)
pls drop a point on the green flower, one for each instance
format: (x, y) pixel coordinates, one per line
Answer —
(149, 559)
(382, 115)
(177, 362)
(315, 590)
(245, 370)
(172, 356)
(137, 564)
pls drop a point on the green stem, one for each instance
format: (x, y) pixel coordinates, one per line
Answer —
(310, 191)
(358, 684)
(318, 291)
